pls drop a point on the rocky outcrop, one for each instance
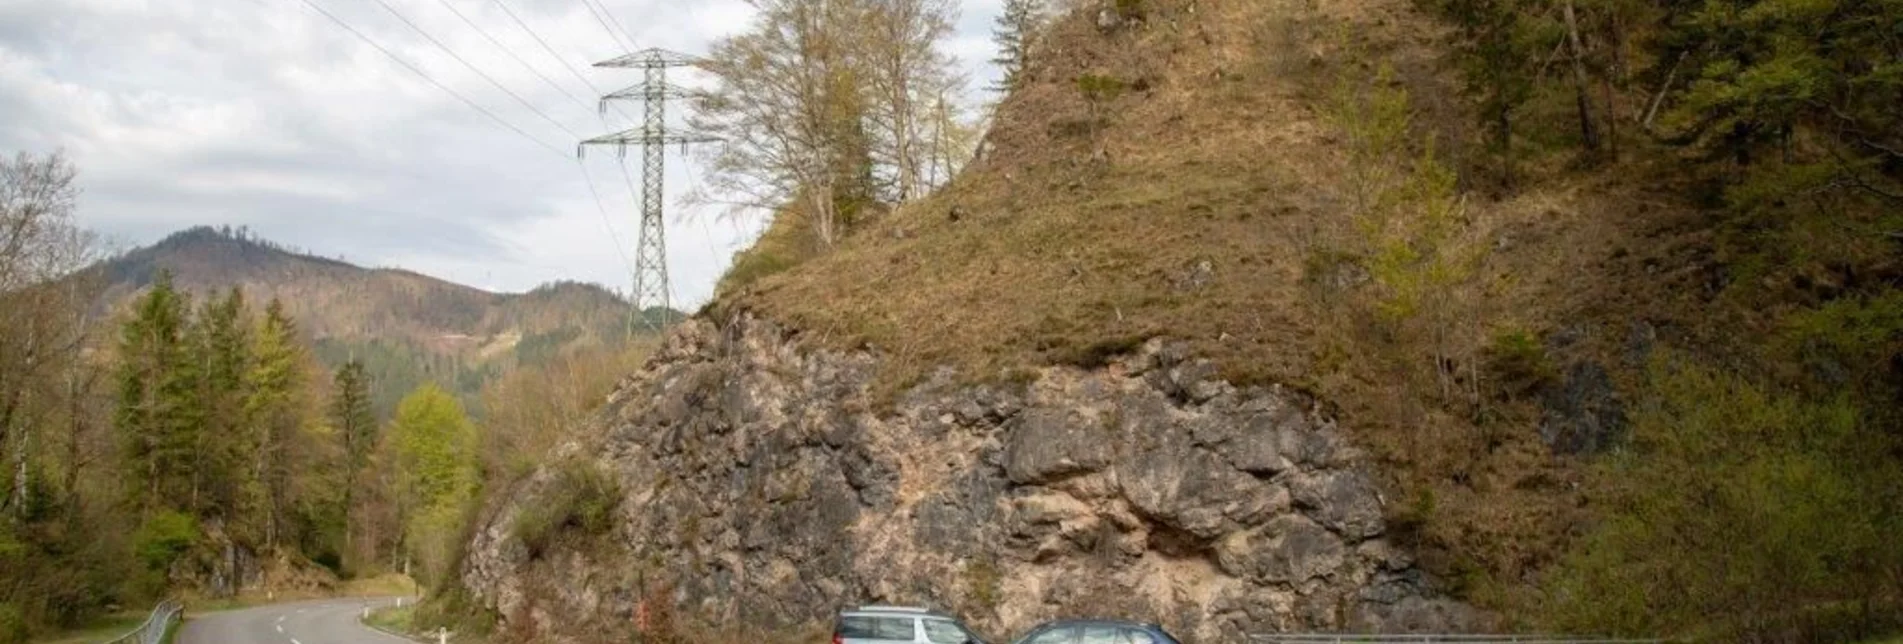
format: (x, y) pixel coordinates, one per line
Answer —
(764, 482)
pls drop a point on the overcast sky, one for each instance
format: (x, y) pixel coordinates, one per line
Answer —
(265, 113)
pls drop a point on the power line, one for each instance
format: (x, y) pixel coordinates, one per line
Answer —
(452, 54)
(625, 45)
(511, 52)
(425, 75)
(602, 207)
(553, 54)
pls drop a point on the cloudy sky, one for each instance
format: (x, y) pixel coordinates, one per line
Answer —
(268, 114)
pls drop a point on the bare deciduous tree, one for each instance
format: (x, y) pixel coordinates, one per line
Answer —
(828, 108)
(43, 307)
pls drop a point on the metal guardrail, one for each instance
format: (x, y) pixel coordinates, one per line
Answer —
(1365, 638)
(153, 630)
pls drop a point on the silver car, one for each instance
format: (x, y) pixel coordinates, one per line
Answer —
(891, 624)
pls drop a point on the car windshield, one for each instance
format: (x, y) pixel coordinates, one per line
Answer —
(870, 627)
(942, 631)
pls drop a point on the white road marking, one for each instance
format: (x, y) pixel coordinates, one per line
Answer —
(294, 641)
(280, 627)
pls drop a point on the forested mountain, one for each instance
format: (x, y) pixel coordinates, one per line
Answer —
(406, 328)
(169, 425)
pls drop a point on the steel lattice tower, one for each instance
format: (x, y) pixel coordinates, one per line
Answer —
(651, 286)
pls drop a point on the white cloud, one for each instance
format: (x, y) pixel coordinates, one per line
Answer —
(265, 113)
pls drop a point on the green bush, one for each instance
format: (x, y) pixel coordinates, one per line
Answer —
(1518, 361)
(12, 624)
(163, 538)
(986, 583)
(1130, 9)
(1100, 88)
(453, 608)
(1739, 514)
(581, 498)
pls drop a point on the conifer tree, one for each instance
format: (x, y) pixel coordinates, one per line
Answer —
(1017, 29)
(351, 416)
(271, 389)
(156, 417)
(222, 345)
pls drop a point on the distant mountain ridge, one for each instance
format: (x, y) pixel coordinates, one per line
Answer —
(406, 326)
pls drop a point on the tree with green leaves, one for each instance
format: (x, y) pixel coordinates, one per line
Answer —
(433, 448)
(1017, 30)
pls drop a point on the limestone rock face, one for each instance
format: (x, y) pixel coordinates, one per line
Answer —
(763, 482)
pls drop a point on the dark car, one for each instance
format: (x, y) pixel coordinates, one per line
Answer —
(1096, 631)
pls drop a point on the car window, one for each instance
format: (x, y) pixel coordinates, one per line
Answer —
(1137, 636)
(1104, 635)
(1059, 635)
(866, 627)
(938, 631)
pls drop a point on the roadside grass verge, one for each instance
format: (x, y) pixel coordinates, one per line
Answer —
(99, 630)
(393, 618)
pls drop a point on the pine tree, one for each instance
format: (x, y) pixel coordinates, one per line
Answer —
(222, 348)
(157, 418)
(1017, 29)
(351, 416)
(271, 389)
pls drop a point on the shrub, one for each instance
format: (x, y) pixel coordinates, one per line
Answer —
(1742, 512)
(1518, 361)
(1100, 88)
(984, 581)
(12, 624)
(455, 609)
(1130, 9)
(163, 538)
(581, 498)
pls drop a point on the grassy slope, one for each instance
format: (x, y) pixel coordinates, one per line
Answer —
(1193, 204)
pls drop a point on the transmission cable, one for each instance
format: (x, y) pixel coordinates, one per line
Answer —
(511, 52)
(555, 55)
(425, 76)
(492, 81)
(628, 45)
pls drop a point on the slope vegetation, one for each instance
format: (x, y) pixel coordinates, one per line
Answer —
(1296, 190)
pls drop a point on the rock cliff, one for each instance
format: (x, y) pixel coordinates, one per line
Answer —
(763, 482)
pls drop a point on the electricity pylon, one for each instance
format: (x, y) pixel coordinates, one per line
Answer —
(651, 287)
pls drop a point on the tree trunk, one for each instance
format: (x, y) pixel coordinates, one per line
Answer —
(1587, 131)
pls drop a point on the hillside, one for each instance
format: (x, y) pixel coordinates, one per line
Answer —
(405, 326)
(1243, 321)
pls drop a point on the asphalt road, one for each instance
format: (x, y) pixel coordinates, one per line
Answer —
(329, 621)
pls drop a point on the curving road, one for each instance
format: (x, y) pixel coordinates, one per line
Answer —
(329, 621)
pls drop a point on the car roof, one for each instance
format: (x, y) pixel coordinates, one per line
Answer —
(893, 611)
(1092, 621)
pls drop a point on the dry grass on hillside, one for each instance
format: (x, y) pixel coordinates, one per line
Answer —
(1195, 204)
